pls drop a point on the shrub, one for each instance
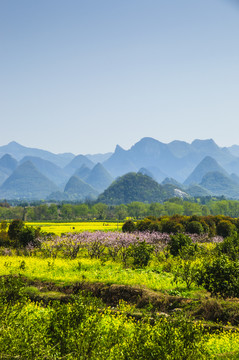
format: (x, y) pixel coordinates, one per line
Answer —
(195, 227)
(177, 242)
(143, 225)
(141, 253)
(229, 247)
(15, 228)
(220, 277)
(129, 226)
(11, 289)
(28, 235)
(225, 228)
(186, 271)
(171, 226)
(155, 226)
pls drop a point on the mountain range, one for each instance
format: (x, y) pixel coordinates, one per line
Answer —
(200, 168)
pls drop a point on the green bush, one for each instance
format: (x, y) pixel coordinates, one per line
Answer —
(171, 226)
(15, 228)
(21, 235)
(11, 289)
(229, 247)
(129, 226)
(195, 227)
(141, 253)
(178, 242)
(143, 225)
(220, 277)
(28, 235)
(225, 228)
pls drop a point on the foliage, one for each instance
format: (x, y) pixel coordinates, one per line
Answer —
(11, 289)
(225, 228)
(15, 228)
(220, 277)
(178, 242)
(29, 235)
(129, 226)
(78, 331)
(195, 227)
(141, 253)
(186, 271)
(229, 247)
(22, 235)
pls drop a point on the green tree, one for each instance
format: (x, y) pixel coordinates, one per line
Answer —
(137, 209)
(100, 211)
(15, 229)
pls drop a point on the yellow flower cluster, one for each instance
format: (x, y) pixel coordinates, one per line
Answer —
(223, 343)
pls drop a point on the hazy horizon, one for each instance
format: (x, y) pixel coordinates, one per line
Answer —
(98, 152)
(82, 77)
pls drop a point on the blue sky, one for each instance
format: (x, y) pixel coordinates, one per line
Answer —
(82, 76)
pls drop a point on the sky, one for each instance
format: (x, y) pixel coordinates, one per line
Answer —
(82, 76)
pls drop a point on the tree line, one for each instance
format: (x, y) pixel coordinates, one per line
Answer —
(135, 210)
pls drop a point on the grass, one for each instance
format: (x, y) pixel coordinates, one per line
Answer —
(91, 270)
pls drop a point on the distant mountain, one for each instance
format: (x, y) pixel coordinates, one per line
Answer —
(99, 178)
(26, 182)
(18, 152)
(145, 171)
(234, 178)
(173, 191)
(172, 182)
(210, 148)
(158, 175)
(8, 164)
(180, 149)
(119, 163)
(76, 163)
(3, 177)
(197, 190)
(208, 164)
(99, 157)
(233, 166)
(76, 189)
(234, 150)
(58, 196)
(83, 172)
(134, 187)
(184, 162)
(176, 159)
(49, 169)
(220, 184)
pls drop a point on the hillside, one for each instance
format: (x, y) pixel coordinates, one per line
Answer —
(47, 168)
(77, 189)
(18, 151)
(26, 182)
(99, 178)
(219, 184)
(77, 163)
(134, 187)
(208, 164)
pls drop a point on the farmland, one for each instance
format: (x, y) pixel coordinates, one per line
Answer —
(74, 227)
(81, 294)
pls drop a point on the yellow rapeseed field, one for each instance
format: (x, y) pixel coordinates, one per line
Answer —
(62, 228)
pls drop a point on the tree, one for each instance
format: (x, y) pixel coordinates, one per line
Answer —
(137, 209)
(15, 228)
(100, 211)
